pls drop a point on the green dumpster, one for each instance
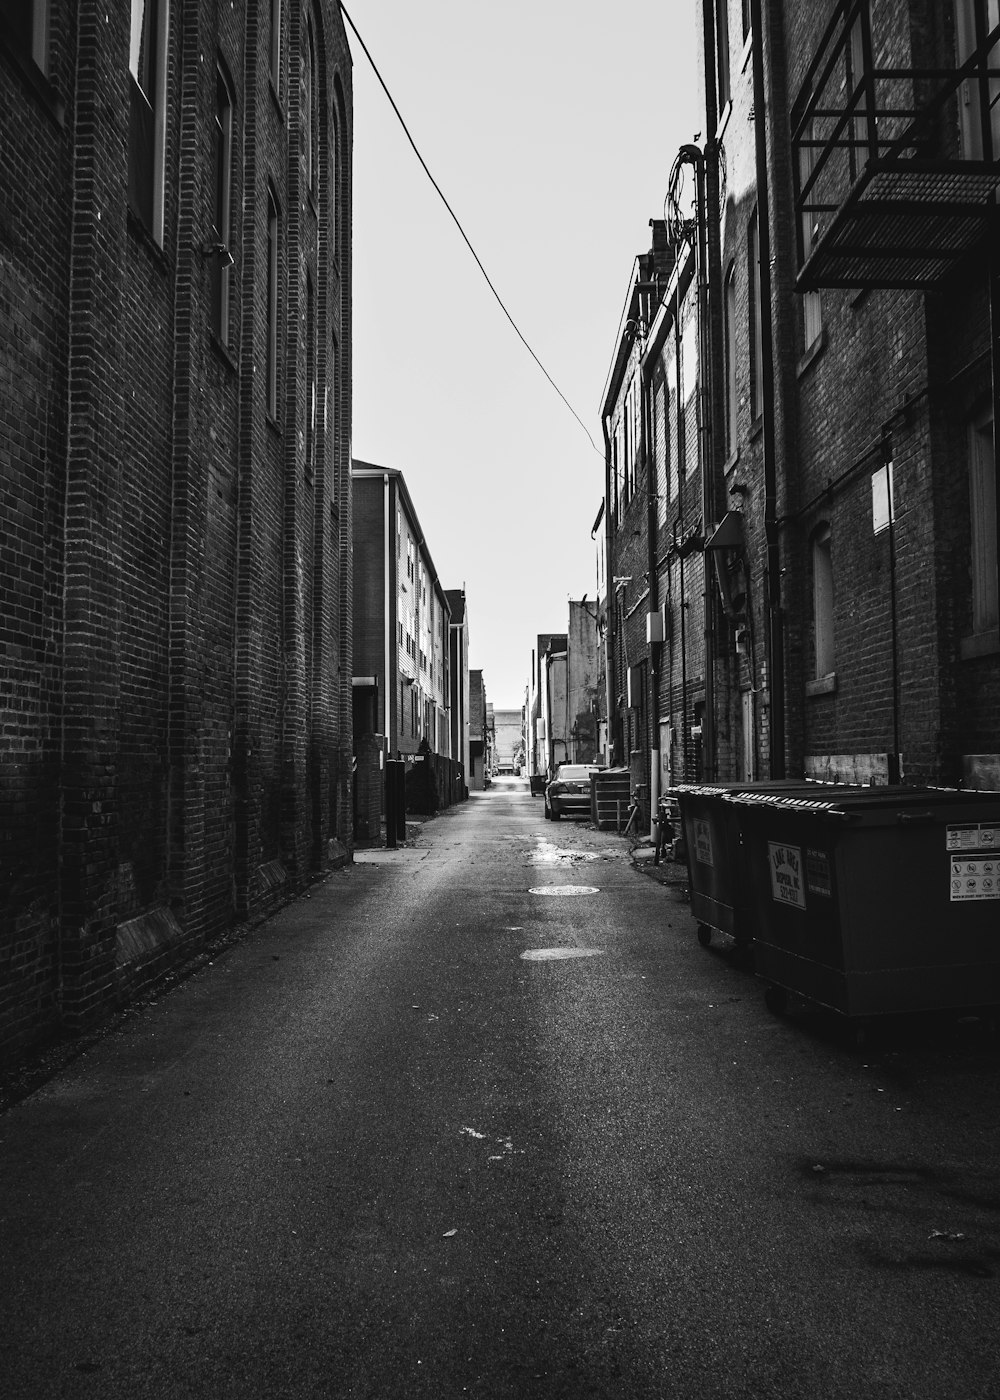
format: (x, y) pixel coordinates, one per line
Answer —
(871, 901)
(716, 875)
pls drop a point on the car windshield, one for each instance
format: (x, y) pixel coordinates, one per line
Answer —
(576, 770)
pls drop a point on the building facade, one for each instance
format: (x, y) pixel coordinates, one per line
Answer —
(826, 568)
(402, 619)
(461, 700)
(176, 584)
(479, 734)
(859, 391)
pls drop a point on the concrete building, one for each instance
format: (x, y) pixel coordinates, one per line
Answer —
(509, 739)
(175, 581)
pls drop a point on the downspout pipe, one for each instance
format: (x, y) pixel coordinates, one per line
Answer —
(692, 155)
(775, 610)
(610, 639)
(653, 603)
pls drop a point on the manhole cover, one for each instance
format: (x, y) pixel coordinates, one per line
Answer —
(564, 890)
(555, 954)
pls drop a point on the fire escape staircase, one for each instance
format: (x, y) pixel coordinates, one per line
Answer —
(896, 169)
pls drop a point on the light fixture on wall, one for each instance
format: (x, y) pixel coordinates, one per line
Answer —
(220, 251)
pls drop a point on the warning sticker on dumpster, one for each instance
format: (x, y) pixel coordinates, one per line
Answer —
(818, 873)
(975, 877)
(786, 874)
(971, 836)
(703, 842)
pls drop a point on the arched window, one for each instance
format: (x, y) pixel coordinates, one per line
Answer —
(310, 106)
(274, 44)
(822, 582)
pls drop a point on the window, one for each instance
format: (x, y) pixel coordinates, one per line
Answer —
(812, 304)
(310, 107)
(822, 581)
(755, 312)
(333, 166)
(983, 528)
(310, 377)
(274, 45)
(722, 52)
(220, 269)
(271, 367)
(729, 314)
(147, 104)
(974, 146)
(27, 23)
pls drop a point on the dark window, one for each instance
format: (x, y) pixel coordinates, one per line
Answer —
(274, 45)
(722, 51)
(822, 580)
(272, 306)
(27, 24)
(755, 312)
(310, 108)
(310, 377)
(220, 266)
(729, 312)
(146, 106)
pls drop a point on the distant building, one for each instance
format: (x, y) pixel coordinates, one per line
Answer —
(460, 685)
(175, 582)
(479, 743)
(509, 730)
(402, 620)
(538, 738)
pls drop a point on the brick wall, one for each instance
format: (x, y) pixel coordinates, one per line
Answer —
(176, 656)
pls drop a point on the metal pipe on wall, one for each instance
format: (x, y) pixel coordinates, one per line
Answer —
(775, 611)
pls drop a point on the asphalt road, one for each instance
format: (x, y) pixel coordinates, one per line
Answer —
(377, 1149)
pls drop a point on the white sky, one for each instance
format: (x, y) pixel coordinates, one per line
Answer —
(551, 127)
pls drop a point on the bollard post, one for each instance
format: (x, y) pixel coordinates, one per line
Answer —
(401, 799)
(390, 801)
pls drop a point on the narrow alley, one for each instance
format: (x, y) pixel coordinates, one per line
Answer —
(480, 1117)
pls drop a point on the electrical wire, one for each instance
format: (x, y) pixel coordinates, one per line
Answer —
(465, 236)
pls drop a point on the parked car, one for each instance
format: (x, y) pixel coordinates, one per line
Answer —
(568, 794)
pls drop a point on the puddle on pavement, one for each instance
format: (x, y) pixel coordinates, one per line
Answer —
(548, 853)
(558, 954)
(564, 890)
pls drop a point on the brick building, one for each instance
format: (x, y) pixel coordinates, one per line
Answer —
(175, 273)
(479, 734)
(827, 568)
(857, 379)
(460, 698)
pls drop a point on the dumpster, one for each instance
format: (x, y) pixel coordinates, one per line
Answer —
(871, 901)
(720, 899)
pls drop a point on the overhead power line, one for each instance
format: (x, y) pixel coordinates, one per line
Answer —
(465, 236)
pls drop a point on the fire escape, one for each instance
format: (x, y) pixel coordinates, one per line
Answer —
(896, 169)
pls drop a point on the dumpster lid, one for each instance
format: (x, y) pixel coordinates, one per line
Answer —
(856, 803)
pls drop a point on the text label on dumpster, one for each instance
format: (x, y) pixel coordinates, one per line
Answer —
(975, 877)
(703, 842)
(786, 874)
(972, 836)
